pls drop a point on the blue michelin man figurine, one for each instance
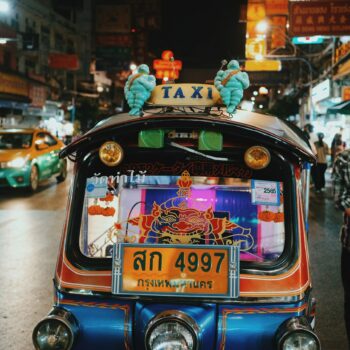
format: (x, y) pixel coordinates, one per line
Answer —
(138, 89)
(231, 83)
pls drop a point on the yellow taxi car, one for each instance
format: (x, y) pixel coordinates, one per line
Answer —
(28, 156)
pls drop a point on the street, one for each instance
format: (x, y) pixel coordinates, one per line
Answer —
(29, 236)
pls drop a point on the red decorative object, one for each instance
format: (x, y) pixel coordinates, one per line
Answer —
(109, 197)
(63, 61)
(98, 210)
(266, 215)
(279, 217)
(167, 68)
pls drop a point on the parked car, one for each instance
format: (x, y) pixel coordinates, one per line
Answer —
(28, 156)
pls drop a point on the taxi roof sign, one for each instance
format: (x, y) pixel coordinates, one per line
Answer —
(203, 95)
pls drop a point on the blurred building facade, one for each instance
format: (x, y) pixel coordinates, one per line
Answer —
(45, 51)
(300, 51)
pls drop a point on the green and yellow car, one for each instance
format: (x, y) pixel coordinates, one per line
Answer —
(28, 156)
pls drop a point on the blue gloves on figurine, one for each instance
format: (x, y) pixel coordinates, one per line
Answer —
(138, 89)
(230, 84)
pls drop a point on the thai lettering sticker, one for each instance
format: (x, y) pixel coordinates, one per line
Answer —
(265, 192)
(96, 188)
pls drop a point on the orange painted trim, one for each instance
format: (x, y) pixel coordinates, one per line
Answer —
(293, 282)
(251, 311)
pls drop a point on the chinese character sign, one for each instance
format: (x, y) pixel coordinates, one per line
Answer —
(319, 18)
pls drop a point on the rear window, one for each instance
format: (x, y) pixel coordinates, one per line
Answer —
(141, 208)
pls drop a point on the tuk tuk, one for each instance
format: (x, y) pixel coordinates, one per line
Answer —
(185, 229)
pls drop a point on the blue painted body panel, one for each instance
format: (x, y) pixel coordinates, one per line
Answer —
(118, 324)
(253, 326)
(104, 323)
(203, 314)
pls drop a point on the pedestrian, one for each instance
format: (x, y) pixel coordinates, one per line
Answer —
(337, 146)
(322, 150)
(342, 201)
(308, 131)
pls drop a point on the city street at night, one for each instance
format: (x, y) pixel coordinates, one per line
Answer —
(204, 150)
(31, 227)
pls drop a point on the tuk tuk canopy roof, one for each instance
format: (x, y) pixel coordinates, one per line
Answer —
(265, 128)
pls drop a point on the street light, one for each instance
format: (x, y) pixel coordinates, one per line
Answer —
(4, 7)
(132, 67)
(262, 26)
(263, 90)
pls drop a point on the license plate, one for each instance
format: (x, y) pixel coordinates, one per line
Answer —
(182, 270)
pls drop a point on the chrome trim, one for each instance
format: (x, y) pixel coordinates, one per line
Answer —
(240, 300)
(62, 316)
(295, 324)
(178, 316)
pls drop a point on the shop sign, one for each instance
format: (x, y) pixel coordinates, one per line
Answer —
(309, 18)
(120, 52)
(276, 7)
(255, 47)
(343, 69)
(38, 95)
(321, 91)
(256, 11)
(345, 93)
(263, 65)
(63, 61)
(113, 19)
(11, 84)
(278, 35)
(167, 67)
(120, 40)
(341, 51)
(316, 39)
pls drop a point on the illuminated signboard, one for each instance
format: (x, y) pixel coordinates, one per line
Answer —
(317, 39)
(167, 67)
(255, 47)
(263, 65)
(321, 91)
(345, 93)
(185, 95)
(307, 18)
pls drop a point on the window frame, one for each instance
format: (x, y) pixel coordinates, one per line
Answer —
(280, 265)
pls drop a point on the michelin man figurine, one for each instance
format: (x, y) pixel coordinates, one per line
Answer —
(230, 84)
(138, 89)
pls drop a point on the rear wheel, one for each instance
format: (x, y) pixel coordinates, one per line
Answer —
(34, 179)
(63, 174)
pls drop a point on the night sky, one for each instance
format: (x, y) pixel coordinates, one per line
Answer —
(199, 34)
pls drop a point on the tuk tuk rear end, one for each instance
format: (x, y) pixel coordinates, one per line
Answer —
(185, 229)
